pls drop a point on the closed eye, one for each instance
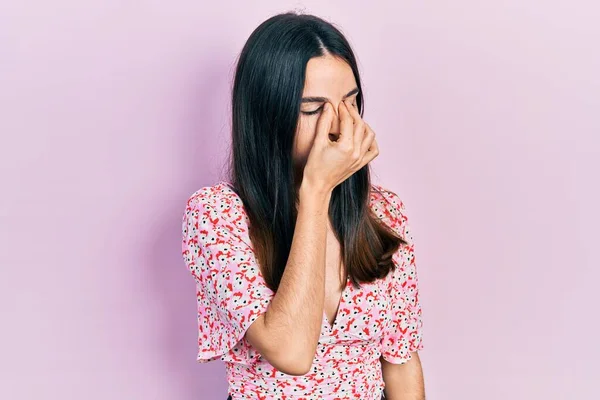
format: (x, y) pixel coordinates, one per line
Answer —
(312, 112)
(319, 110)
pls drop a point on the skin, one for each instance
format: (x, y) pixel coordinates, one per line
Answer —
(327, 77)
(332, 79)
(403, 381)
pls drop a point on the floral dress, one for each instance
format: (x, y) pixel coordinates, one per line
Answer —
(380, 319)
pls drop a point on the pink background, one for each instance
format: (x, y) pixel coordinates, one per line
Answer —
(114, 112)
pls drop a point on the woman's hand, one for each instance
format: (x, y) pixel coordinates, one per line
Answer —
(329, 163)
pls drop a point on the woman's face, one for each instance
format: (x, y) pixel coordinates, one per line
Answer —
(328, 79)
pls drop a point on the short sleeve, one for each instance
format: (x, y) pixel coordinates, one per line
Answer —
(231, 292)
(404, 333)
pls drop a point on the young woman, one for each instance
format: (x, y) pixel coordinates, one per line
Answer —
(305, 272)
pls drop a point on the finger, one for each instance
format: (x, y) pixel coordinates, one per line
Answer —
(324, 123)
(346, 125)
(353, 112)
(371, 154)
(373, 150)
(359, 128)
(369, 138)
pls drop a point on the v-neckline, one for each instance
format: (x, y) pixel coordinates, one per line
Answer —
(331, 327)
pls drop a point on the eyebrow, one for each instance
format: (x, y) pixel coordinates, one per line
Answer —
(325, 99)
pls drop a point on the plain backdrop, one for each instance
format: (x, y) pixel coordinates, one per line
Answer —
(114, 112)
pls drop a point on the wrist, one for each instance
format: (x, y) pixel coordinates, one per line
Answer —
(314, 193)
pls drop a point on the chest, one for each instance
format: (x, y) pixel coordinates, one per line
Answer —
(349, 312)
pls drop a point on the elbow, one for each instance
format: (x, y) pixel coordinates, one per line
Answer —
(292, 365)
(291, 359)
(291, 356)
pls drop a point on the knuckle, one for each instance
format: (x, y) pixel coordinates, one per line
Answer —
(369, 129)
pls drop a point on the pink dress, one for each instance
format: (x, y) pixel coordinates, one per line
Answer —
(382, 318)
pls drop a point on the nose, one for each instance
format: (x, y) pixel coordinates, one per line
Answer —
(335, 124)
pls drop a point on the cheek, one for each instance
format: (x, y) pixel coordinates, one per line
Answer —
(303, 140)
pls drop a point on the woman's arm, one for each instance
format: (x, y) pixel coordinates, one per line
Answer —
(404, 381)
(287, 334)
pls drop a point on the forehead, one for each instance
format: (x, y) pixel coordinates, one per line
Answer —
(328, 76)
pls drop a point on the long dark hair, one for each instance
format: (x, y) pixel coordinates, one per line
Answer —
(267, 89)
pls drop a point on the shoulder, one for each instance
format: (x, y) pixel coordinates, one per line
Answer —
(387, 205)
(217, 201)
(219, 197)
(218, 205)
(381, 195)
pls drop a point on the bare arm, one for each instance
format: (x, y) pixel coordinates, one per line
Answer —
(287, 334)
(404, 381)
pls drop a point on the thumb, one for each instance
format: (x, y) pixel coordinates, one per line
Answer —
(324, 123)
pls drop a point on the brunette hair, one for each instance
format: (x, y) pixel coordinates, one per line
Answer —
(267, 89)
